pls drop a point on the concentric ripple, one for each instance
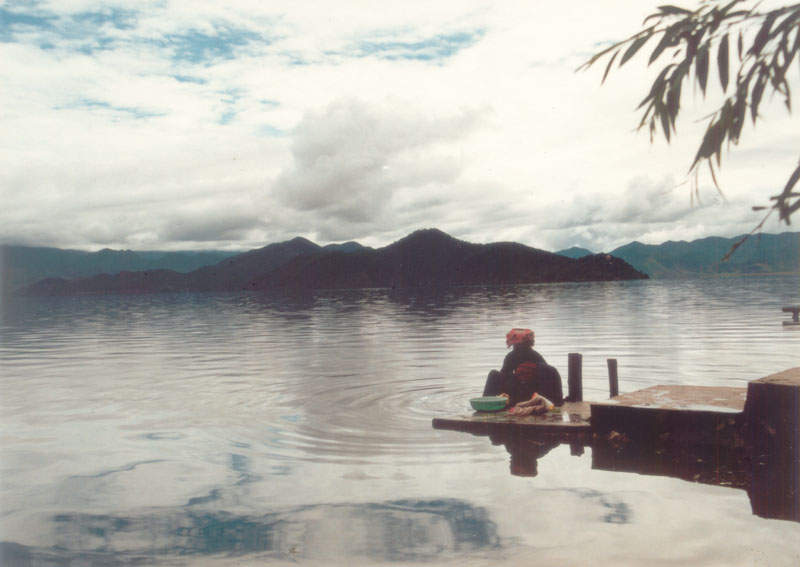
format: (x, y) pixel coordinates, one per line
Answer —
(355, 376)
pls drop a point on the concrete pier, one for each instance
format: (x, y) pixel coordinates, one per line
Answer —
(771, 418)
(687, 414)
(766, 413)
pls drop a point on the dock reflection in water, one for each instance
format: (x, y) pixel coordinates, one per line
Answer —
(771, 480)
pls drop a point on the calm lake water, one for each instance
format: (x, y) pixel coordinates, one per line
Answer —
(241, 429)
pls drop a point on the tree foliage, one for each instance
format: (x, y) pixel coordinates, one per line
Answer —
(753, 52)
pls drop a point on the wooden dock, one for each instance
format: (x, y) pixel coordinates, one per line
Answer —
(662, 405)
(689, 413)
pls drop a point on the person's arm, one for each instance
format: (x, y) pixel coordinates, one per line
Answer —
(551, 382)
(508, 364)
(506, 368)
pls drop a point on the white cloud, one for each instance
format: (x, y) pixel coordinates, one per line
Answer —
(350, 159)
(202, 123)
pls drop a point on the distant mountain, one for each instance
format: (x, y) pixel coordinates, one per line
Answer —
(23, 265)
(236, 272)
(423, 258)
(575, 252)
(346, 247)
(760, 254)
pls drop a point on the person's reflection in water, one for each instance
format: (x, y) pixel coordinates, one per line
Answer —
(525, 452)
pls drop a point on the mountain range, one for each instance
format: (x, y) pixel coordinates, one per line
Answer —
(424, 258)
(428, 257)
(758, 254)
(23, 265)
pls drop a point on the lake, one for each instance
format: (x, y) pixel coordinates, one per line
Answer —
(239, 429)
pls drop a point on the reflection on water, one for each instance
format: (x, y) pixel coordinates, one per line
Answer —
(525, 452)
(290, 427)
(771, 478)
(403, 530)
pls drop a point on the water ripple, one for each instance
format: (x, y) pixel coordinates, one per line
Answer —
(358, 376)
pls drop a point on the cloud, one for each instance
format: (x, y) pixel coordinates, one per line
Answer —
(168, 122)
(211, 226)
(350, 159)
(648, 210)
(650, 201)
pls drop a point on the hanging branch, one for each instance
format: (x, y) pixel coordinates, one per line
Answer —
(693, 42)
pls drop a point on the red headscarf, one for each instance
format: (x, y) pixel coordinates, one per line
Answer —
(519, 337)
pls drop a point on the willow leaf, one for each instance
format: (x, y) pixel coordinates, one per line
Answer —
(634, 47)
(740, 45)
(665, 123)
(706, 149)
(792, 182)
(701, 67)
(728, 6)
(758, 91)
(666, 41)
(674, 11)
(788, 100)
(763, 35)
(674, 101)
(713, 177)
(608, 67)
(722, 62)
(658, 85)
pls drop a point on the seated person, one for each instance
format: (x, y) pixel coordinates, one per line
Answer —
(524, 372)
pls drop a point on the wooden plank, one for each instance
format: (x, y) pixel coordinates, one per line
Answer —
(570, 419)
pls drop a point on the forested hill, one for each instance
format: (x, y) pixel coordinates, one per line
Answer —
(23, 265)
(423, 258)
(759, 254)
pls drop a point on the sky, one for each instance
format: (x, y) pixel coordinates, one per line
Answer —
(203, 124)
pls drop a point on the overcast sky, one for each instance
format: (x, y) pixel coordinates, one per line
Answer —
(200, 124)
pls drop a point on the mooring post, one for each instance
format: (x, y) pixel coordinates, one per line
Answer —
(613, 381)
(575, 377)
(795, 311)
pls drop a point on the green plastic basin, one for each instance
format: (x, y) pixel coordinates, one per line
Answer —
(488, 403)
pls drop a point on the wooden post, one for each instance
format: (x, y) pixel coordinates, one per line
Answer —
(795, 311)
(575, 377)
(613, 382)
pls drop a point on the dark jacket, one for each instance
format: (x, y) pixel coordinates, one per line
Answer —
(518, 355)
(546, 381)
